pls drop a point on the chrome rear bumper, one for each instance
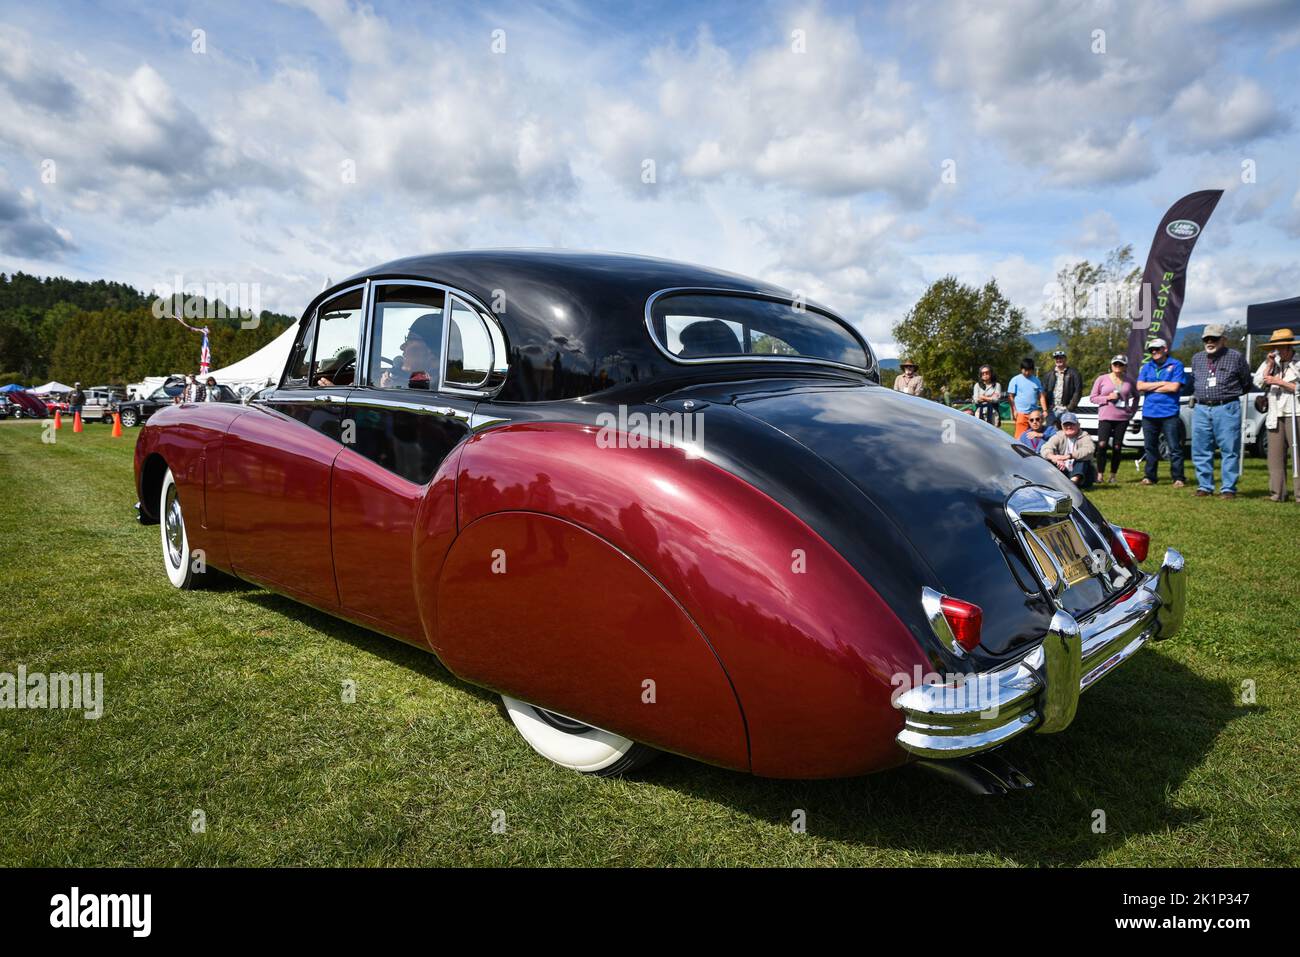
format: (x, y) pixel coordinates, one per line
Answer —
(1041, 691)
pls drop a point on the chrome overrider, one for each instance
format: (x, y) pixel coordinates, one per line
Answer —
(1040, 691)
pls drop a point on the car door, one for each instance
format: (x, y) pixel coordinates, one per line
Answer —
(277, 458)
(427, 365)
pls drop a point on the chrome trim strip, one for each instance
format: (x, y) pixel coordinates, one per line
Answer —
(1040, 690)
(369, 402)
(746, 294)
(362, 372)
(481, 420)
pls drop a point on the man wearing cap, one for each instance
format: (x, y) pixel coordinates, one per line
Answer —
(1279, 376)
(907, 381)
(1063, 385)
(1072, 451)
(77, 400)
(1160, 380)
(1221, 379)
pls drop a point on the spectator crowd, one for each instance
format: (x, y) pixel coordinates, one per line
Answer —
(1045, 416)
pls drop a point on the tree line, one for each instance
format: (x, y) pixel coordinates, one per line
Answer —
(106, 333)
(955, 328)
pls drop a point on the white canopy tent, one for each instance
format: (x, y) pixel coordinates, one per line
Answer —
(49, 387)
(252, 372)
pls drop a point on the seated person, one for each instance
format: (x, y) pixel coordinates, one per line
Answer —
(1072, 451)
(340, 370)
(1035, 434)
(419, 359)
(708, 337)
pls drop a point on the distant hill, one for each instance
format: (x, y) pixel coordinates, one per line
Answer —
(1042, 341)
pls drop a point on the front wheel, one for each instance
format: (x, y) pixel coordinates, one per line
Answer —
(574, 745)
(175, 541)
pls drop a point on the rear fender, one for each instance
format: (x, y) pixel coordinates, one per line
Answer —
(811, 649)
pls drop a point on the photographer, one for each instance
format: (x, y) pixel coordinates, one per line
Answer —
(1278, 375)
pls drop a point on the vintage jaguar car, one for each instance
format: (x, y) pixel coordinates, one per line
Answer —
(658, 507)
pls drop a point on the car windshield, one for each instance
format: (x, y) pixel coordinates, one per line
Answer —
(704, 326)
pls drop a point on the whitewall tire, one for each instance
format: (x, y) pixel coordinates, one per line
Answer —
(574, 745)
(175, 541)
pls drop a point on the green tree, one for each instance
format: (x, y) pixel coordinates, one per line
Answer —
(1092, 314)
(954, 329)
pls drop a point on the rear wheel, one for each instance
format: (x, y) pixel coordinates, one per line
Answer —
(130, 418)
(175, 541)
(574, 745)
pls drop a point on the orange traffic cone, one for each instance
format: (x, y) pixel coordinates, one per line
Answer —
(117, 425)
(58, 419)
(76, 422)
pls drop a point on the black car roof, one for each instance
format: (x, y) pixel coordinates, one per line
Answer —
(574, 321)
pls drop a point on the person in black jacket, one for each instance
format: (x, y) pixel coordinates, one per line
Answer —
(1063, 385)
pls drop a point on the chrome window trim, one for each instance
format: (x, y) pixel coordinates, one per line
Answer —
(873, 362)
(485, 315)
(446, 339)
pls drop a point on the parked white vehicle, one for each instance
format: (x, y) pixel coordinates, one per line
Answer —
(1254, 439)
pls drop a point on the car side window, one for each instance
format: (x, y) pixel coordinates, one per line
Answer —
(469, 348)
(338, 327)
(299, 365)
(406, 336)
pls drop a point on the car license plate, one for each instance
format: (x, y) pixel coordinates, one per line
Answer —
(1066, 544)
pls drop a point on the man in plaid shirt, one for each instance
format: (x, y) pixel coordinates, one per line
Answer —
(1221, 379)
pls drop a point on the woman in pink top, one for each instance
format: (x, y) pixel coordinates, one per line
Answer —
(1112, 396)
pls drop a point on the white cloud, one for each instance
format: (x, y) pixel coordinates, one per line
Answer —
(1036, 79)
(24, 231)
(1222, 115)
(831, 121)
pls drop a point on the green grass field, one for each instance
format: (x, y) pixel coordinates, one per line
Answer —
(228, 701)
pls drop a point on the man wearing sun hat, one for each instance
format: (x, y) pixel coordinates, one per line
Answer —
(1279, 375)
(1221, 379)
(908, 381)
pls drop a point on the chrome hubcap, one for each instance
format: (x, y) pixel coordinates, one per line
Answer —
(175, 527)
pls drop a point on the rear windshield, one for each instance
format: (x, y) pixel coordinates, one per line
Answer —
(703, 326)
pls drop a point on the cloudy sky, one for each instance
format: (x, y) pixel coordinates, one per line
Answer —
(803, 144)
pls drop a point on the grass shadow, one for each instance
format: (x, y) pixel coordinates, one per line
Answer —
(1137, 738)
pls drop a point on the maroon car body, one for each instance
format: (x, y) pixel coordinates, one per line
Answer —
(750, 600)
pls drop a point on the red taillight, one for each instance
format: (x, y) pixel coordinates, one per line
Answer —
(1139, 543)
(964, 619)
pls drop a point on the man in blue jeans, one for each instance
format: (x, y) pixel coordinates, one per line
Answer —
(1221, 379)
(1159, 382)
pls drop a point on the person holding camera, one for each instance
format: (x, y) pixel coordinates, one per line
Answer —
(1278, 375)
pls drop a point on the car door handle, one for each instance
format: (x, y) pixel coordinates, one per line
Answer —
(327, 398)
